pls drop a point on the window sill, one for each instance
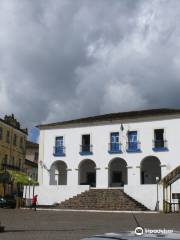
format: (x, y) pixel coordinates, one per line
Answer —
(85, 153)
(160, 149)
(114, 152)
(59, 154)
(133, 150)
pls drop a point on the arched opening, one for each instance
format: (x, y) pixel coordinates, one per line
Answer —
(58, 173)
(117, 172)
(87, 173)
(150, 170)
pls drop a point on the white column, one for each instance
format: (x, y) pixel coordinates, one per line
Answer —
(164, 171)
(134, 175)
(102, 177)
(72, 177)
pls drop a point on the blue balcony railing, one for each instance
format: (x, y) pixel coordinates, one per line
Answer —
(114, 148)
(160, 145)
(133, 146)
(59, 151)
(86, 149)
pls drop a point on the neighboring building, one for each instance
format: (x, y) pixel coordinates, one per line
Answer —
(12, 146)
(31, 162)
(129, 150)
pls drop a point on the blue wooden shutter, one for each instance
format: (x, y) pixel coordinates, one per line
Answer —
(132, 140)
(59, 144)
(115, 141)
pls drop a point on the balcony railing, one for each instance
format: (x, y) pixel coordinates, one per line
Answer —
(86, 149)
(133, 146)
(6, 166)
(114, 148)
(171, 207)
(160, 145)
(59, 151)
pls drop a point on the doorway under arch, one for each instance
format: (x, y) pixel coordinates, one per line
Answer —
(117, 172)
(150, 170)
(87, 173)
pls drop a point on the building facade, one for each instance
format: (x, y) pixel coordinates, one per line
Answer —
(31, 161)
(12, 147)
(131, 150)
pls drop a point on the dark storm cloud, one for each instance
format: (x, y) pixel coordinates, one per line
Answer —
(62, 59)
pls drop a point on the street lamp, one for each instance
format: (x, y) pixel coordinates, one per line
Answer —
(157, 201)
(29, 203)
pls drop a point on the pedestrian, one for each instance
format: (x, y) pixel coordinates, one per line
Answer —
(34, 202)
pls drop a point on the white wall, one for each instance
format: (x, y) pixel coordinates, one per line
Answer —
(146, 194)
(100, 137)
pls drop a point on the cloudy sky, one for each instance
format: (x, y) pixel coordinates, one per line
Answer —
(64, 59)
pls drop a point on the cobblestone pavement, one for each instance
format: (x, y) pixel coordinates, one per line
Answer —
(51, 225)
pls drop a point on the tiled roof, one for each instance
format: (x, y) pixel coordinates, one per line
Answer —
(116, 116)
(32, 145)
(20, 129)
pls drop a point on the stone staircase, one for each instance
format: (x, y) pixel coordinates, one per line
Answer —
(103, 199)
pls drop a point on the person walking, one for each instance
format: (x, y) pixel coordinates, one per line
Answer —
(34, 202)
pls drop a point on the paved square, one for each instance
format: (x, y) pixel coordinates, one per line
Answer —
(51, 225)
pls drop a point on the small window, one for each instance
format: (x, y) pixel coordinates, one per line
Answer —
(8, 136)
(36, 156)
(19, 165)
(15, 140)
(132, 141)
(21, 143)
(5, 159)
(59, 146)
(159, 138)
(86, 139)
(114, 142)
(13, 161)
(1, 133)
(59, 141)
(86, 143)
(114, 137)
(132, 136)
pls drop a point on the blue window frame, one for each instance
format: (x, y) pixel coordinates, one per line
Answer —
(114, 143)
(133, 142)
(59, 146)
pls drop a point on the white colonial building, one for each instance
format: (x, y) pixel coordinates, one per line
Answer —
(129, 150)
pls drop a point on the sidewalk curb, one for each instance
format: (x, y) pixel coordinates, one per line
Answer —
(95, 211)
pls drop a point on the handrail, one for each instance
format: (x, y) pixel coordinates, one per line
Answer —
(171, 207)
(114, 147)
(58, 151)
(160, 143)
(86, 148)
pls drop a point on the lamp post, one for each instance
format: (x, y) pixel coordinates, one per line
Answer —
(157, 201)
(29, 203)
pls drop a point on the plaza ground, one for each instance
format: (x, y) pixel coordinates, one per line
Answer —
(51, 225)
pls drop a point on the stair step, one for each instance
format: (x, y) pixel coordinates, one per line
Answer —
(103, 199)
